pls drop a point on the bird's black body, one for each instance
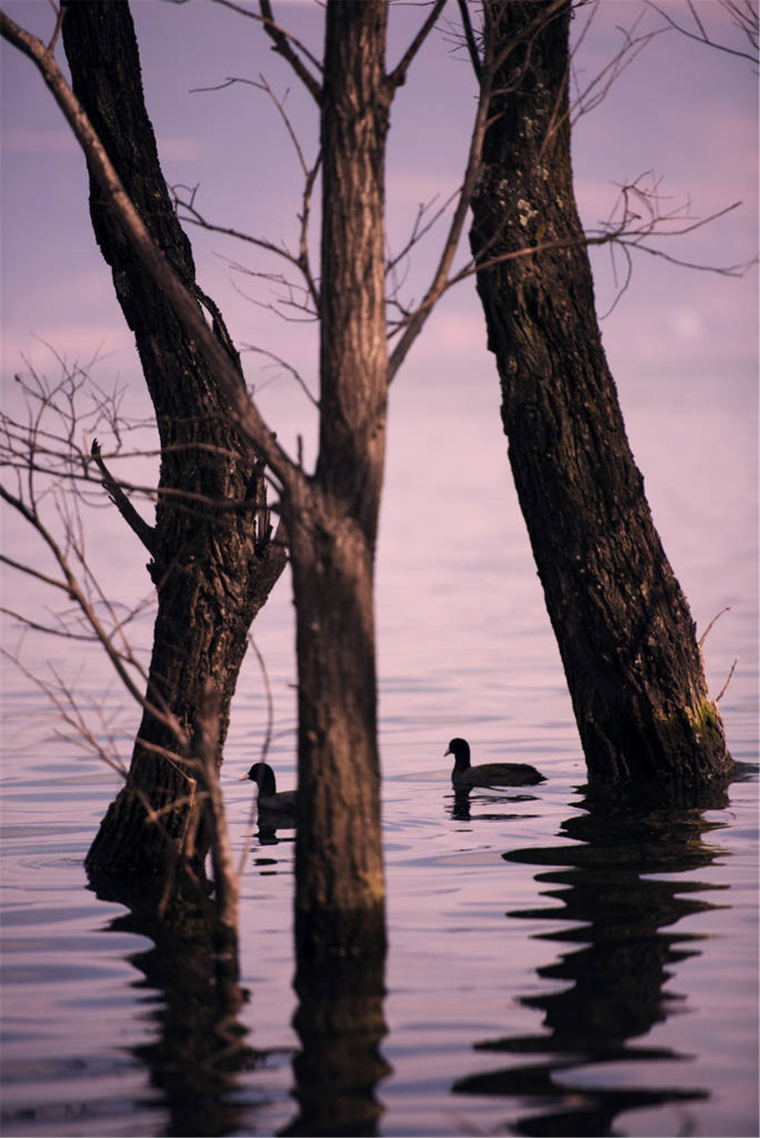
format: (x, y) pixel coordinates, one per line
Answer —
(269, 799)
(464, 776)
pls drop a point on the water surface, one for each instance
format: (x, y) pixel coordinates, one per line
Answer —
(558, 964)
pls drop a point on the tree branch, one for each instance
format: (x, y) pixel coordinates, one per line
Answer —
(469, 36)
(282, 45)
(746, 19)
(75, 591)
(134, 520)
(440, 282)
(193, 216)
(245, 414)
(398, 76)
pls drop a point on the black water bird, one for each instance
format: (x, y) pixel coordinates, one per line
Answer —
(269, 799)
(465, 777)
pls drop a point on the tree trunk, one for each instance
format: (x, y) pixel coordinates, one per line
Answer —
(332, 519)
(623, 626)
(213, 562)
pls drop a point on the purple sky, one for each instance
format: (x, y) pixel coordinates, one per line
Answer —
(682, 110)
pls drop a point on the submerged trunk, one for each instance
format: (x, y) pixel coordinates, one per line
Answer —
(212, 558)
(339, 867)
(623, 625)
(332, 519)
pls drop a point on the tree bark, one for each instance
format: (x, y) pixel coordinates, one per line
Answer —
(623, 626)
(332, 518)
(213, 560)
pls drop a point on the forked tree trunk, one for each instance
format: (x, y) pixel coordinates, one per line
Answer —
(212, 559)
(332, 517)
(333, 525)
(623, 626)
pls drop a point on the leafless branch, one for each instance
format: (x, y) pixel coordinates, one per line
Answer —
(419, 230)
(627, 230)
(310, 174)
(469, 36)
(243, 412)
(193, 216)
(289, 299)
(288, 367)
(284, 45)
(62, 698)
(398, 76)
(58, 9)
(61, 628)
(39, 503)
(589, 97)
(133, 519)
(73, 588)
(264, 750)
(722, 691)
(745, 17)
(440, 281)
(718, 615)
(28, 569)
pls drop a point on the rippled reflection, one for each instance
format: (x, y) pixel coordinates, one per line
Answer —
(340, 1023)
(194, 1002)
(490, 807)
(614, 983)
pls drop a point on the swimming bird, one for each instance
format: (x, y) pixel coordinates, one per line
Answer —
(465, 777)
(269, 799)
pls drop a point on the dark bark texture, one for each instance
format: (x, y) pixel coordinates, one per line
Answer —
(332, 518)
(212, 558)
(625, 633)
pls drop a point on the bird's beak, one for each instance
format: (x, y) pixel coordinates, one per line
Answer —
(243, 777)
(448, 751)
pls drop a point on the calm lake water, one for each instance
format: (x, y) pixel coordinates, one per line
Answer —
(556, 966)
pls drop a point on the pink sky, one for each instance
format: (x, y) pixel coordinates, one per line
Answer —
(687, 112)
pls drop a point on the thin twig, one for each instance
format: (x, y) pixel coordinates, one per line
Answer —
(748, 26)
(717, 617)
(288, 367)
(248, 839)
(722, 691)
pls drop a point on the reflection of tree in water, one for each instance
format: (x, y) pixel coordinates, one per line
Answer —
(199, 1049)
(340, 1023)
(616, 979)
(195, 999)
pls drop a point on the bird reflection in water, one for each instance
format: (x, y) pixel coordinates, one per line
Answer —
(489, 806)
(613, 986)
(274, 828)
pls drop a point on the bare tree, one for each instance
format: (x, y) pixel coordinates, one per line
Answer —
(330, 516)
(622, 623)
(49, 478)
